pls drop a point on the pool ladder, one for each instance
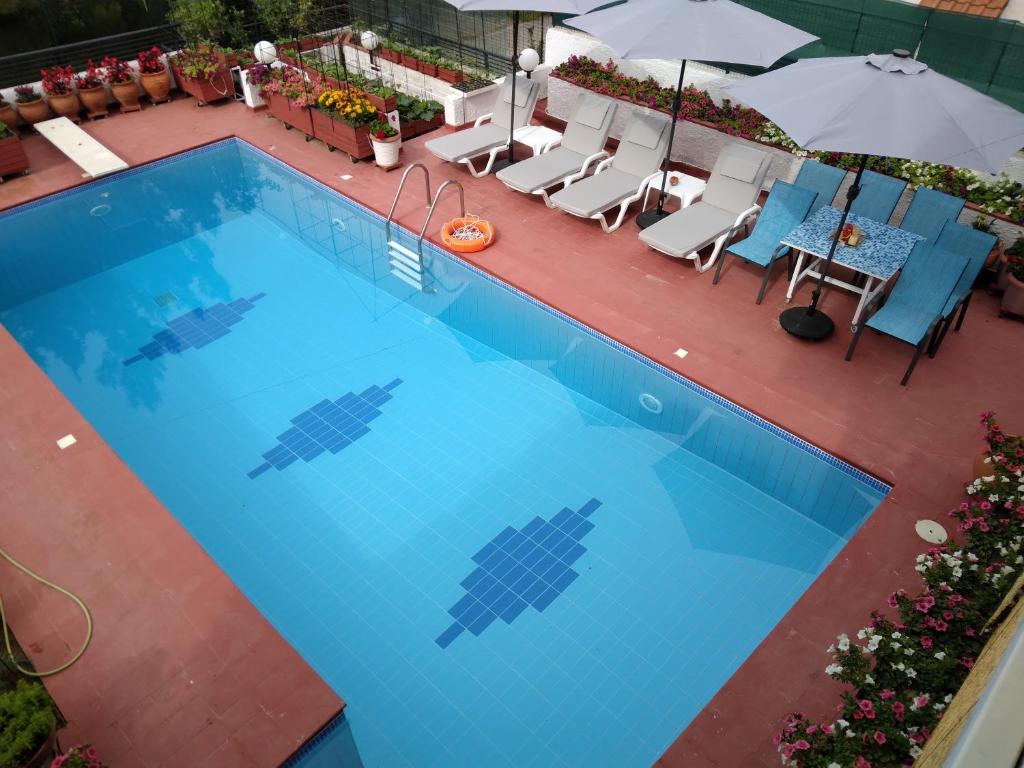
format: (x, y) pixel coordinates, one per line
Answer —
(408, 265)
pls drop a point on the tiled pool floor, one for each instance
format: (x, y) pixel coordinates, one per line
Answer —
(911, 436)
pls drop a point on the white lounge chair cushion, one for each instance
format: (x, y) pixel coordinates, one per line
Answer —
(688, 230)
(742, 164)
(592, 110)
(645, 132)
(643, 145)
(596, 194)
(526, 100)
(731, 186)
(542, 171)
(468, 143)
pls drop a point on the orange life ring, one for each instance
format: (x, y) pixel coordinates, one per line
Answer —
(468, 234)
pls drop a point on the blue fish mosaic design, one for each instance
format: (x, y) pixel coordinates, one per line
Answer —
(195, 329)
(327, 426)
(520, 568)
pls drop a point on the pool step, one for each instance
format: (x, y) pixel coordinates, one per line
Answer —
(405, 265)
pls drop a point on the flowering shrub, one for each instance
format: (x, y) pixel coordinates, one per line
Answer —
(381, 129)
(1003, 196)
(91, 78)
(258, 75)
(293, 85)
(151, 61)
(904, 673)
(197, 64)
(116, 71)
(349, 106)
(25, 93)
(82, 756)
(58, 81)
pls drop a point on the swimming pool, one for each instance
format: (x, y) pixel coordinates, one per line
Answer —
(503, 538)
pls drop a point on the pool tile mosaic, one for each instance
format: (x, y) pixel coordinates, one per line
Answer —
(327, 426)
(520, 568)
(195, 329)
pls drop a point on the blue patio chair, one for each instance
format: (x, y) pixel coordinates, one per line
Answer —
(787, 205)
(822, 179)
(915, 305)
(975, 245)
(878, 196)
(929, 211)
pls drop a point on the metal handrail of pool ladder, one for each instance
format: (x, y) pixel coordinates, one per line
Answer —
(398, 193)
(433, 204)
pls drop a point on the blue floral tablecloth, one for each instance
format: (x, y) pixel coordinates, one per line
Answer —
(880, 254)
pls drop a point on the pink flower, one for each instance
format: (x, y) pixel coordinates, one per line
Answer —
(887, 693)
(967, 661)
(926, 642)
(802, 744)
(861, 762)
(921, 701)
(969, 631)
(941, 626)
(828, 730)
(788, 750)
(947, 615)
(777, 739)
(879, 737)
(811, 729)
(898, 709)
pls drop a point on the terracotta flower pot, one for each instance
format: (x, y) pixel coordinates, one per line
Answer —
(65, 105)
(94, 100)
(1013, 297)
(157, 85)
(127, 94)
(8, 116)
(33, 111)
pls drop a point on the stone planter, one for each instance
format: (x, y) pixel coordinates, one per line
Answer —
(157, 85)
(94, 100)
(12, 157)
(65, 105)
(385, 151)
(1012, 302)
(8, 116)
(33, 111)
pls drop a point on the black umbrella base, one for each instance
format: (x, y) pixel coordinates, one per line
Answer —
(645, 219)
(502, 164)
(801, 322)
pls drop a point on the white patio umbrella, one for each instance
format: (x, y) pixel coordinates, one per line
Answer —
(705, 30)
(515, 6)
(882, 104)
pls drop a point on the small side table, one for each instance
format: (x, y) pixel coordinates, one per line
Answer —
(536, 137)
(687, 188)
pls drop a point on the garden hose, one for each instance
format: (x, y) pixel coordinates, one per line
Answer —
(77, 600)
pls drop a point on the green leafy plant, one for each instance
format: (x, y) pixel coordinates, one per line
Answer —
(26, 721)
(5, 132)
(381, 129)
(982, 223)
(210, 21)
(198, 64)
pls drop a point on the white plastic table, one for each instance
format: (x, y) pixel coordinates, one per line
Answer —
(536, 137)
(882, 254)
(687, 188)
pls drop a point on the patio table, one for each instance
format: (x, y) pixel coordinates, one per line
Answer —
(880, 255)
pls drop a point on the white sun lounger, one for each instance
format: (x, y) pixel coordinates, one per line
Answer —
(620, 180)
(87, 153)
(728, 203)
(569, 158)
(492, 137)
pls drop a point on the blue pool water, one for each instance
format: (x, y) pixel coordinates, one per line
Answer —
(451, 502)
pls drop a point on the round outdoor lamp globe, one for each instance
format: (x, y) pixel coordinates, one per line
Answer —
(265, 52)
(369, 40)
(529, 60)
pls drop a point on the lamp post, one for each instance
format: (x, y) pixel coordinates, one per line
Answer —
(529, 60)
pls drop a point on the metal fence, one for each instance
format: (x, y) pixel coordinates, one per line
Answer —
(475, 40)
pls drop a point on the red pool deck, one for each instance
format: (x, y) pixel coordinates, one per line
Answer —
(167, 616)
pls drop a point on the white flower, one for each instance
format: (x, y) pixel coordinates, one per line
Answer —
(900, 666)
(833, 669)
(915, 751)
(911, 673)
(850, 734)
(843, 723)
(844, 642)
(908, 651)
(874, 642)
(830, 649)
(896, 646)
(896, 635)
(940, 655)
(993, 497)
(834, 765)
(869, 680)
(947, 698)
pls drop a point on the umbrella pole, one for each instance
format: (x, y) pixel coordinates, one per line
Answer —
(647, 218)
(809, 322)
(512, 122)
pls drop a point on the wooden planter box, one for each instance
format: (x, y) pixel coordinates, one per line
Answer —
(217, 88)
(415, 128)
(382, 104)
(410, 62)
(12, 157)
(289, 60)
(430, 70)
(290, 115)
(450, 75)
(355, 142)
(388, 55)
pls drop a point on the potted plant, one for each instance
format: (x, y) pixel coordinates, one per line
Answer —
(386, 142)
(429, 57)
(446, 70)
(290, 96)
(341, 120)
(91, 91)
(28, 726)
(383, 97)
(289, 55)
(409, 58)
(156, 81)
(121, 77)
(390, 50)
(1012, 270)
(12, 153)
(983, 223)
(8, 116)
(203, 76)
(31, 107)
(58, 85)
(82, 756)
